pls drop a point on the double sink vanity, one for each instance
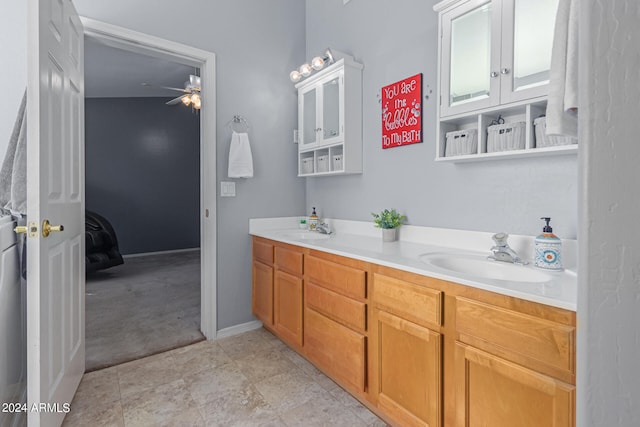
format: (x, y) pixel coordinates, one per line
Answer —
(425, 331)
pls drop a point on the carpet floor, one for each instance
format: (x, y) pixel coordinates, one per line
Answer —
(148, 305)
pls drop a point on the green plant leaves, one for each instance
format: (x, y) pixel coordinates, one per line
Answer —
(388, 219)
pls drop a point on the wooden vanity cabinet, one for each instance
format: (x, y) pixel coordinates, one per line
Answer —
(406, 350)
(335, 318)
(417, 350)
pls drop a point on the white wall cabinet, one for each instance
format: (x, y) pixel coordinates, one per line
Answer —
(330, 121)
(494, 60)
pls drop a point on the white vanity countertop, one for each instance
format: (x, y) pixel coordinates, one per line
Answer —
(361, 240)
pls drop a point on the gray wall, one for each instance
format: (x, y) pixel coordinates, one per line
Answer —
(395, 40)
(13, 63)
(256, 44)
(143, 171)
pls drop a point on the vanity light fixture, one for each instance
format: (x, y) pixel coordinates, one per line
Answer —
(317, 64)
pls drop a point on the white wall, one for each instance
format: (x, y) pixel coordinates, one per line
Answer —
(609, 276)
(256, 44)
(13, 63)
(395, 40)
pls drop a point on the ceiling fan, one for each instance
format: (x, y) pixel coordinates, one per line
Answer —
(191, 92)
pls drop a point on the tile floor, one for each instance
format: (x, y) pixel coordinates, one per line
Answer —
(251, 379)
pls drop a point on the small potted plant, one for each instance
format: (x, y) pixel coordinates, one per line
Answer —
(389, 221)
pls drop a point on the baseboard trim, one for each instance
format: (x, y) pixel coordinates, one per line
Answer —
(238, 329)
(173, 251)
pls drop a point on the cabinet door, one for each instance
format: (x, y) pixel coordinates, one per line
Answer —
(470, 55)
(409, 371)
(491, 391)
(337, 349)
(262, 304)
(308, 116)
(527, 37)
(288, 307)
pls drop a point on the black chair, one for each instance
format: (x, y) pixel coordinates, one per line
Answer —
(101, 243)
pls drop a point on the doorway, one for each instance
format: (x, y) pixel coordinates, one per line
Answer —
(135, 42)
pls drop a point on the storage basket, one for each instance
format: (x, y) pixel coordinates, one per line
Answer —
(337, 162)
(544, 140)
(323, 163)
(461, 142)
(307, 165)
(505, 137)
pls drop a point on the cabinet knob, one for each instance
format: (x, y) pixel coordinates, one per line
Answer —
(505, 71)
(494, 74)
(318, 129)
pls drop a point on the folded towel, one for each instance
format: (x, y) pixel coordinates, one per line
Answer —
(240, 159)
(562, 105)
(13, 174)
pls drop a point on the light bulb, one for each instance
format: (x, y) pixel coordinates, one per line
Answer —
(317, 63)
(305, 70)
(186, 100)
(195, 99)
(295, 76)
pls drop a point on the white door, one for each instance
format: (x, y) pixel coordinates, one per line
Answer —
(55, 192)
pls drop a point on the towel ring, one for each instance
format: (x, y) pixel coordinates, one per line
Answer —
(239, 124)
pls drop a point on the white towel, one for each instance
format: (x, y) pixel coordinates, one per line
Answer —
(13, 174)
(240, 158)
(562, 106)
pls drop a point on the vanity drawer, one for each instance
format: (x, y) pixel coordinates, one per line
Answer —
(412, 302)
(543, 344)
(336, 277)
(263, 251)
(345, 310)
(289, 260)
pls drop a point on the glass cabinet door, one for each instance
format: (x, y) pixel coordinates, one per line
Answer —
(470, 60)
(331, 109)
(309, 128)
(529, 27)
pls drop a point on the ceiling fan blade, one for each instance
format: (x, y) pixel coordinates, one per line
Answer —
(175, 101)
(149, 85)
(175, 88)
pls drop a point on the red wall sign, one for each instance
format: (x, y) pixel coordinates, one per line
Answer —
(402, 112)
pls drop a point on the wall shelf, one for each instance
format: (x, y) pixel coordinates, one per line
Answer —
(513, 154)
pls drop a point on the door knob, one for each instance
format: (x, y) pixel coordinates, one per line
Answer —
(47, 228)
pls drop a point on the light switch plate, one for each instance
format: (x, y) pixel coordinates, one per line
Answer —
(227, 189)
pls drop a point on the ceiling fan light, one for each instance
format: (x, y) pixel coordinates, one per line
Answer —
(317, 63)
(295, 76)
(186, 100)
(305, 70)
(197, 102)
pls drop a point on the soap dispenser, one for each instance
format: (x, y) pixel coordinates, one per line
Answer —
(313, 220)
(548, 249)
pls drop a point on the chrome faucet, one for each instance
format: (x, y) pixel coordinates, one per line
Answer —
(323, 228)
(502, 251)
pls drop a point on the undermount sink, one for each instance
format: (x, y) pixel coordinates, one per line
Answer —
(304, 235)
(480, 266)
